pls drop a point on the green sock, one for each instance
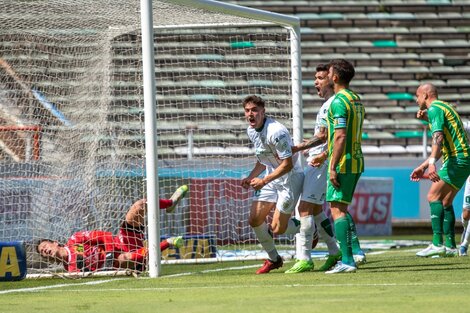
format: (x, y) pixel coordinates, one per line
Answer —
(437, 220)
(356, 246)
(449, 226)
(343, 235)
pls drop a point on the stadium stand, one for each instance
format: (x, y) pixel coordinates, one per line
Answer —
(395, 45)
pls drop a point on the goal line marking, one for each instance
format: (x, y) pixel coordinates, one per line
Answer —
(34, 289)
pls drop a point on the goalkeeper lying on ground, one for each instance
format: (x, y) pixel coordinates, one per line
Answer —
(93, 250)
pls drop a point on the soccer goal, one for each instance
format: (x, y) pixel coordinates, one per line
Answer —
(78, 134)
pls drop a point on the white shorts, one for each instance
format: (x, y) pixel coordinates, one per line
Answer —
(314, 188)
(284, 195)
(466, 195)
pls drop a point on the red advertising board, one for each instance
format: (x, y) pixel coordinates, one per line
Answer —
(221, 207)
(371, 207)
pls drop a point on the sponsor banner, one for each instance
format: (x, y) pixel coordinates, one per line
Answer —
(221, 207)
(194, 247)
(12, 261)
(371, 207)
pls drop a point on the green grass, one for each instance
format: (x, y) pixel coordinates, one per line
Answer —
(395, 281)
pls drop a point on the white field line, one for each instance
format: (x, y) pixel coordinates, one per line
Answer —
(34, 289)
(44, 288)
(211, 271)
(238, 267)
(256, 286)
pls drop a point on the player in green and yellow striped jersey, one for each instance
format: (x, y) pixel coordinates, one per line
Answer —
(345, 119)
(449, 141)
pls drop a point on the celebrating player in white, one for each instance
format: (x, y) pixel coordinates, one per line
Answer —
(314, 186)
(280, 187)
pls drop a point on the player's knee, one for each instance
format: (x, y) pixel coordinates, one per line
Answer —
(255, 221)
(433, 197)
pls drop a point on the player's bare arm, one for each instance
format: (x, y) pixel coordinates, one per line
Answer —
(338, 148)
(319, 159)
(255, 172)
(284, 168)
(429, 164)
(317, 139)
(437, 142)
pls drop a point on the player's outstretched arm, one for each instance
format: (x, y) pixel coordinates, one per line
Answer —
(316, 140)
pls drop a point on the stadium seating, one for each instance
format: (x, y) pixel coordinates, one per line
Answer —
(394, 44)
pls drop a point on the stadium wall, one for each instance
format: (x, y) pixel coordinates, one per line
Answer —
(409, 207)
(408, 198)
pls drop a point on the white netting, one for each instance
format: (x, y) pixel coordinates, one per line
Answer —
(72, 125)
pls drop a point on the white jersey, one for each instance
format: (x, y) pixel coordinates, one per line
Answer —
(466, 193)
(466, 125)
(273, 144)
(320, 122)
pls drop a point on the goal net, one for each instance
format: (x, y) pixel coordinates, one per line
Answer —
(72, 144)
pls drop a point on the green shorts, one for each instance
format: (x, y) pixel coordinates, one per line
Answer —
(345, 192)
(455, 172)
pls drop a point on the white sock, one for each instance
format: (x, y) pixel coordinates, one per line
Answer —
(293, 227)
(465, 234)
(330, 241)
(266, 240)
(298, 246)
(305, 237)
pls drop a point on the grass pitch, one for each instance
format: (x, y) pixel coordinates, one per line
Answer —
(394, 281)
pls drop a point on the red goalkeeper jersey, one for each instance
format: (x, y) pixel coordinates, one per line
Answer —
(87, 250)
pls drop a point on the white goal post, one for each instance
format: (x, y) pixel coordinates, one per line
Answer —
(290, 22)
(104, 103)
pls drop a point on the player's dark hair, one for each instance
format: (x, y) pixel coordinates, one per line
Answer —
(258, 101)
(322, 67)
(343, 69)
(42, 240)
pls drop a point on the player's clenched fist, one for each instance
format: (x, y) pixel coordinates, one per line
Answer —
(245, 183)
